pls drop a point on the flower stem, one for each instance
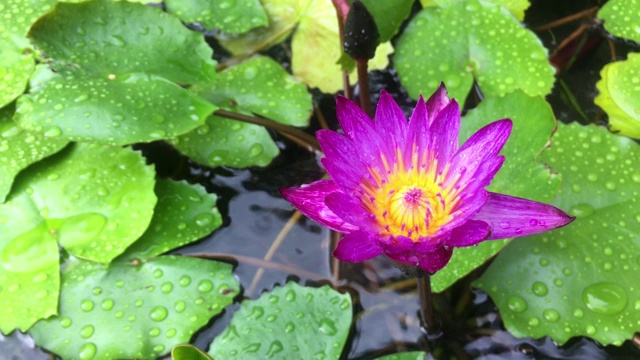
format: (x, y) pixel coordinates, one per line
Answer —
(426, 304)
(363, 85)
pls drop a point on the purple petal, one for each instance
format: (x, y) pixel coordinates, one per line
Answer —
(417, 139)
(341, 159)
(390, 120)
(438, 101)
(309, 200)
(350, 210)
(511, 216)
(436, 260)
(396, 245)
(351, 118)
(470, 233)
(443, 134)
(357, 246)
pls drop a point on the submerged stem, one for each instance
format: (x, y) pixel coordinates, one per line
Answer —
(426, 304)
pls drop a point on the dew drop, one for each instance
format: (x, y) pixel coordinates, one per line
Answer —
(540, 288)
(256, 150)
(65, 322)
(158, 313)
(180, 306)
(289, 327)
(578, 313)
(53, 131)
(153, 332)
(275, 348)
(86, 305)
(157, 273)
(517, 304)
(86, 331)
(166, 287)
(171, 333)
(551, 315)
(107, 304)
(605, 298)
(328, 326)
(256, 312)
(87, 351)
(534, 322)
(591, 330)
(581, 210)
(290, 295)
(185, 280)
(204, 219)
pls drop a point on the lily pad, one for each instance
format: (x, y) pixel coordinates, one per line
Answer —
(580, 280)
(184, 213)
(116, 72)
(94, 212)
(622, 18)
(315, 45)
(388, 15)
(619, 95)
(261, 86)
(227, 142)
(124, 110)
(467, 41)
(188, 352)
(412, 355)
(521, 175)
(290, 322)
(516, 7)
(230, 16)
(16, 66)
(134, 311)
(18, 149)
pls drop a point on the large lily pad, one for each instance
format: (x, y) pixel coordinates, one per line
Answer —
(134, 311)
(467, 41)
(622, 18)
(230, 16)
(18, 149)
(16, 66)
(117, 62)
(388, 15)
(620, 95)
(315, 45)
(521, 175)
(290, 322)
(580, 280)
(516, 7)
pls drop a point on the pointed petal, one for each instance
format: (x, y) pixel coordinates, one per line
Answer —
(351, 118)
(390, 120)
(438, 101)
(309, 200)
(348, 208)
(511, 216)
(341, 159)
(417, 139)
(470, 233)
(356, 246)
(436, 260)
(443, 134)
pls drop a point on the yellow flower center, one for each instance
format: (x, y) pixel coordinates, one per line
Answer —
(408, 202)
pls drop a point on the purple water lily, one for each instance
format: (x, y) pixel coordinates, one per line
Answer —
(406, 190)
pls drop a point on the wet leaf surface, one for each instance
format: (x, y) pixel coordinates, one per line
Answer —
(516, 7)
(580, 280)
(619, 95)
(467, 41)
(289, 322)
(129, 311)
(521, 175)
(621, 18)
(230, 16)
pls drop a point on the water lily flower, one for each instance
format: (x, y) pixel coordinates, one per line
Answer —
(407, 190)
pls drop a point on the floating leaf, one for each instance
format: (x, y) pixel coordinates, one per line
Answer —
(184, 213)
(516, 7)
(18, 149)
(116, 62)
(127, 109)
(188, 352)
(620, 95)
(261, 86)
(467, 41)
(413, 355)
(591, 260)
(315, 45)
(290, 322)
(16, 66)
(389, 15)
(227, 142)
(129, 311)
(521, 175)
(230, 16)
(622, 18)
(95, 200)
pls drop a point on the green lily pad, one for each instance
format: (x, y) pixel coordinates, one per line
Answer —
(315, 45)
(227, 142)
(230, 16)
(619, 95)
(580, 280)
(134, 311)
(94, 212)
(184, 213)
(622, 18)
(116, 72)
(412, 355)
(516, 7)
(127, 109)
(16, 66)
(18, 149)
(188, 352)
(521, 175)
(261, 86)
(290, 322)
(467, 41)
(388, 15)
